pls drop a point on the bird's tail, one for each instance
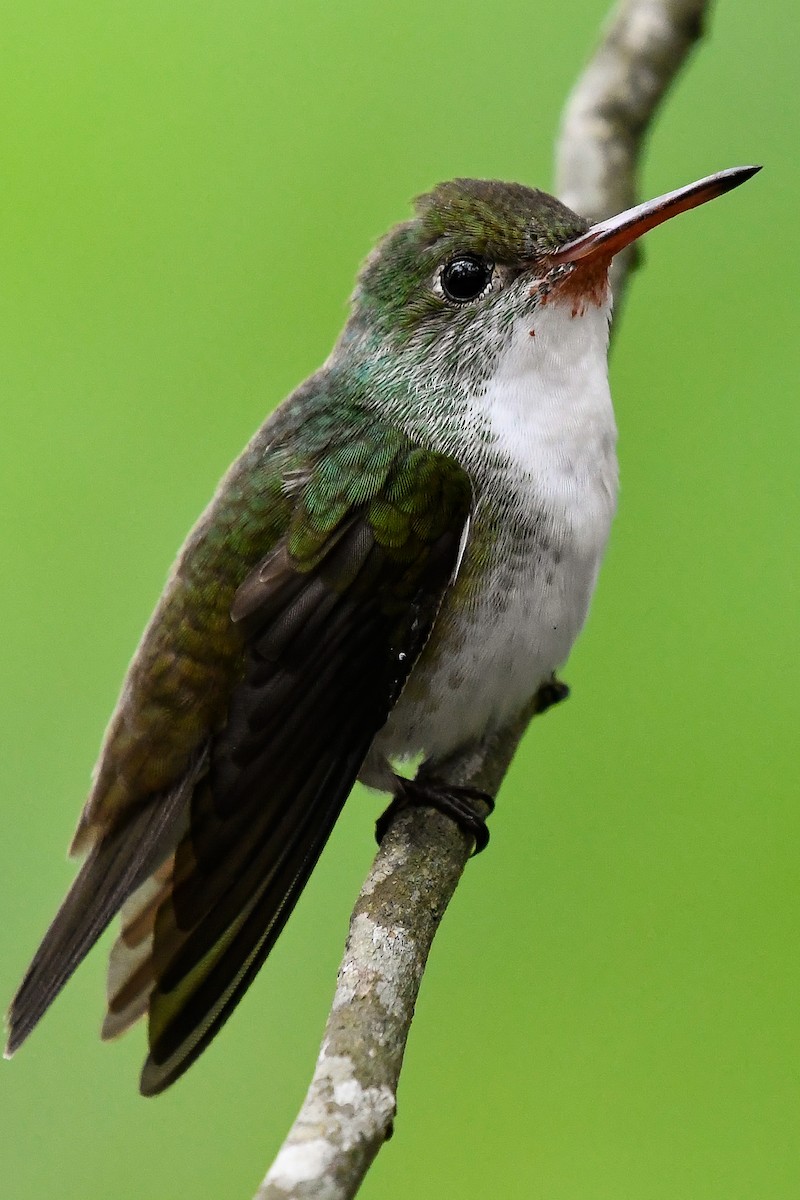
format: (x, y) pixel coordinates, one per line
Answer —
(115, 867)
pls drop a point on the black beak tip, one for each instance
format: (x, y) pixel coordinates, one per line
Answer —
(735, 176)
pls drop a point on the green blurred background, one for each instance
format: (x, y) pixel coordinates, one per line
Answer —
(610, 1011)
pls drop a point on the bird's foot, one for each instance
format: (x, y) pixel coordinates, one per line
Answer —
(550, 693)
(455, 802)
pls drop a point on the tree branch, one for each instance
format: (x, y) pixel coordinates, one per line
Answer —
(611, 109)
(349, 1109)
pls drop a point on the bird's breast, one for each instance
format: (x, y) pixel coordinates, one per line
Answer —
(545, 474)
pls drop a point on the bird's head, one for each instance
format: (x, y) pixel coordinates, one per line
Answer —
(482, 261)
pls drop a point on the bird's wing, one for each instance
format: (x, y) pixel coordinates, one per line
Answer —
(335, 617)
(333, 620)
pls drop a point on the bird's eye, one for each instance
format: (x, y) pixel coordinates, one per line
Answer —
(466, 278)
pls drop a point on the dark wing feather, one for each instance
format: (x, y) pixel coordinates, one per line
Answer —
(113, 870)
(329, 649)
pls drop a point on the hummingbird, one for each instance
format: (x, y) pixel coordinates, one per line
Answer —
(396, 565)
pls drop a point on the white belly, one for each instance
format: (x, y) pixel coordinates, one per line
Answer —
(550, 481)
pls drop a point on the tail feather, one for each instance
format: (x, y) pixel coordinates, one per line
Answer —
(131, 973)
(115, 867)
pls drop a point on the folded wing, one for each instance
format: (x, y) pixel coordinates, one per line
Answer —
(333, 620)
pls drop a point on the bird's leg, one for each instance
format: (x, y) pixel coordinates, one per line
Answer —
(550, 693)
(458, 803)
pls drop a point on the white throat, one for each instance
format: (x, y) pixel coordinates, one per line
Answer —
(540, 446)
(548, 402)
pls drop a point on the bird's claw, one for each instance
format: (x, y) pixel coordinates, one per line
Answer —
(455, 802)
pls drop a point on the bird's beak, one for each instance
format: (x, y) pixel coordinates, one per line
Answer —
(607, 238)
